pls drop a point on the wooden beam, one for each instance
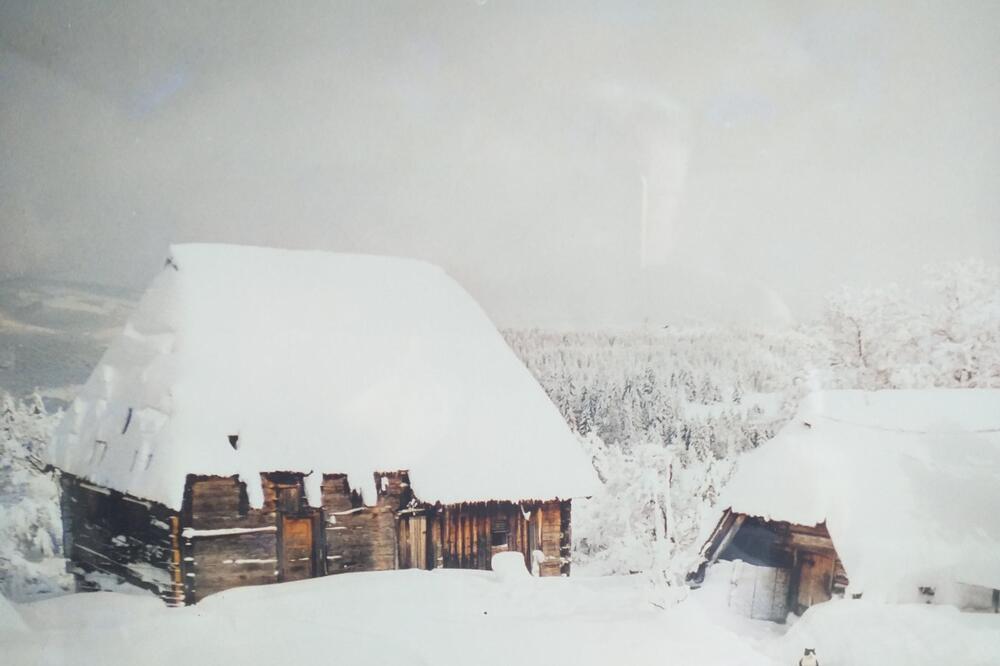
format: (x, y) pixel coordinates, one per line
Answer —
(811, 542)
(727, 537)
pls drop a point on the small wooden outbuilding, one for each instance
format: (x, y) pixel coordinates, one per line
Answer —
(271, 416)
(791, 567)
(876, 494)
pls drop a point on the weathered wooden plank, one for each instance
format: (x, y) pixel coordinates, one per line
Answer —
(565, 537)
(811, 542)
(255, 545)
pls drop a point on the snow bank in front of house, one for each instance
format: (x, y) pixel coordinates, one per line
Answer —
(907, 482)
(322, 363)
(452, 617)
(438, 618)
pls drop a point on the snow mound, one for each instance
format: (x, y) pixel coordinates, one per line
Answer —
(862, 633)
(509, 567)
(905, 480)
(312, 361)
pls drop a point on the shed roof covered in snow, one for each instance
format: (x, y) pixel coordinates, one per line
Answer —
(908, 483)
(316, 362)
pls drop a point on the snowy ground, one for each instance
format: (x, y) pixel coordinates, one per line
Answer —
(469, 617)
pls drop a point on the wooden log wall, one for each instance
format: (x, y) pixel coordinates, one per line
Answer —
(225, 542)
(109, 532)
(359, 537)
(217, 541)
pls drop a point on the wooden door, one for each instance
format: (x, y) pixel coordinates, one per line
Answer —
(296, 544)
(412, 540)
(815, 579)
(758, 592)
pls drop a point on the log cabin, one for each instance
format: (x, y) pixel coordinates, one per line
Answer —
(866, 494)
(271, 416)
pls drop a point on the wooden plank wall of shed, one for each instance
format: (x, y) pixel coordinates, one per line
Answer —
(462, 534)
(110, 532)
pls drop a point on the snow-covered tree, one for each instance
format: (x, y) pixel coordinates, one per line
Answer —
(964, 341)
(873, 334)
(30, 524)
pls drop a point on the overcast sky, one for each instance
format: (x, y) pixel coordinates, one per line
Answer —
(572, 164)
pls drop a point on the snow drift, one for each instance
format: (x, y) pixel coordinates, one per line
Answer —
(241, 360)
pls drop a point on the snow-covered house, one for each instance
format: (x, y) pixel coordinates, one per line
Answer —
(892, 495)
(271, 415)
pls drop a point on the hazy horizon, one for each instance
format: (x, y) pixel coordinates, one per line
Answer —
(573, 165)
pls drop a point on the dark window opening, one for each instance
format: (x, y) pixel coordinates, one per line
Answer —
(499, 532)
(759, 543)
(234, 441)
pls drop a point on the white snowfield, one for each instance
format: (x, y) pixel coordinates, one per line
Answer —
(908, 483)
(322, 363)
(455, 617)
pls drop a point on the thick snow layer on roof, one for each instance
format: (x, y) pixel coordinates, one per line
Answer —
(908, 483)
(319, 362)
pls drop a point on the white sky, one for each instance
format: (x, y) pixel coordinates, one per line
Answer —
(573, 164)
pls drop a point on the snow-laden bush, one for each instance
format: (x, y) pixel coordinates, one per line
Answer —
(647, 517)
(30, 524)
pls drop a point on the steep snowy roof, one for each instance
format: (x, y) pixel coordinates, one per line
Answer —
(908, 483)
(319, 362)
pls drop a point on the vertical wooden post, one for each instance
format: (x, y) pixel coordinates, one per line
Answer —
(176, 562)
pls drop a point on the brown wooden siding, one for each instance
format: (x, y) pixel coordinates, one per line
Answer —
(463, 536)
(253, 552)
(359, 537)
(217, 541)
